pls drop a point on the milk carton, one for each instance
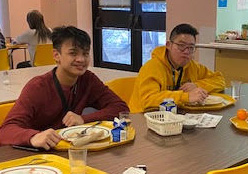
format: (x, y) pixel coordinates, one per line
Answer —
(168, 105)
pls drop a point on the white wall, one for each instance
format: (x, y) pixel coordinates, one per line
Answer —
(84, 20)
(18, 10)
(202, 15)
(4, 18)
(231, 17)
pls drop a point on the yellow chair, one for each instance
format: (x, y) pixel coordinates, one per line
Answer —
(44, 55)
(123, 87)
(242, 169)
(4, 60)
(4, 110)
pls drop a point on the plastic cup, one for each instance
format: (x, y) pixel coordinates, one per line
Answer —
(77, 160)
(6, 78)
(125, 115)
(236, 86)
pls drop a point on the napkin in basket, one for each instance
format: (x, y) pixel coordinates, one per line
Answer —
(93, 136)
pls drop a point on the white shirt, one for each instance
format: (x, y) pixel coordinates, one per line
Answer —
(31, 39)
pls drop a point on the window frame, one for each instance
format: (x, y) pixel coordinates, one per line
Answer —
(135, 21)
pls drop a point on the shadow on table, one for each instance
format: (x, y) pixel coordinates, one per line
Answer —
(245, 161)
(238, 131)
(165, 141)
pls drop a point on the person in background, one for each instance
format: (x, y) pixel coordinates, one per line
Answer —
(2, 41)
(56, 99)
(172, 73)
(37, 34)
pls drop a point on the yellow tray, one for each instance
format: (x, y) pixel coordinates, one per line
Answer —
(99, 145)
(243, 169)
(239, 124)
(53, 161)
(228, 100)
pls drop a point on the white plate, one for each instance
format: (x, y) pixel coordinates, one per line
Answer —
(70, 133)
(190, 123)
(31, 169)
(213, 100)
(210, 100)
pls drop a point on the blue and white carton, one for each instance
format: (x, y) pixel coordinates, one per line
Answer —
(119, 132)
(168, 105)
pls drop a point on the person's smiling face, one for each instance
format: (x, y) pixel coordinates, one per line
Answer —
(71, 59)
(181, 49)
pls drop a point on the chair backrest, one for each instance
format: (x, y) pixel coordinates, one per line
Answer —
(44, 55)
(4, 60)
(4, 110)
(242, 169)
(123, 87)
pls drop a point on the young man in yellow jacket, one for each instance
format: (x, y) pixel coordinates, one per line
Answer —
(171, 73)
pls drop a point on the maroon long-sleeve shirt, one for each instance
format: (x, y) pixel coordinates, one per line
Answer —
(39, 106)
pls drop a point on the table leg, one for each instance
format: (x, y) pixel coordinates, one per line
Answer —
(25, 56)
(11, 59)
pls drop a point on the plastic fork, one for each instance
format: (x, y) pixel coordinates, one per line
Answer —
(34, 161)
(83, 132)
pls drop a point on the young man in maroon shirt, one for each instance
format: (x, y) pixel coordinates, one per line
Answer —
(56, 99)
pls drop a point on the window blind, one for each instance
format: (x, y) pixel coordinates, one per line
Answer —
(150, 1)
(115, 3)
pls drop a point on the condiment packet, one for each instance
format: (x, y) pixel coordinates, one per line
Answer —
(134, 170)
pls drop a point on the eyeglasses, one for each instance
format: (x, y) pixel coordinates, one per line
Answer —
(183, 47)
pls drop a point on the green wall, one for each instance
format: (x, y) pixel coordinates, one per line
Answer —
(230, 18)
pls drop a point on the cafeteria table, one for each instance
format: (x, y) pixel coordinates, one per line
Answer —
(13, 47)
(192, 152)
(19, 77)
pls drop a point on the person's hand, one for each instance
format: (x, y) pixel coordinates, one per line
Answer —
(45, 139)
(197, 95)
(187, 87)
(72, 119)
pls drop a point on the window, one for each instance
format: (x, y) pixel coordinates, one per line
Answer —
(126, 31)
(1, 15)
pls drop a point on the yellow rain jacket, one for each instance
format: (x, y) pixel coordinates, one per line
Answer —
(155, 82)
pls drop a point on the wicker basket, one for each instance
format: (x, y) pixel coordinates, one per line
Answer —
(164, 123)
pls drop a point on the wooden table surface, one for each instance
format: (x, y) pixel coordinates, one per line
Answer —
(16, 46)
(193, 152)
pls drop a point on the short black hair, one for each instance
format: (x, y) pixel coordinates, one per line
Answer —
(78, 37)
(183, 29)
